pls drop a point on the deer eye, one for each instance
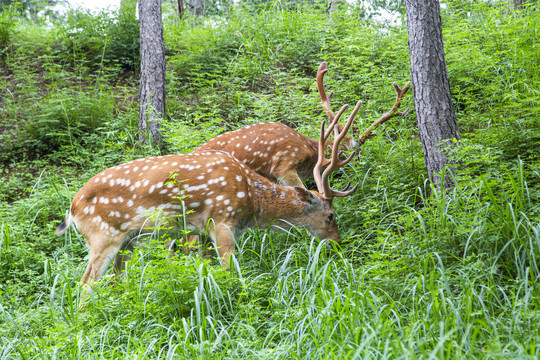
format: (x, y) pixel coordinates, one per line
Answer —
(331, 217)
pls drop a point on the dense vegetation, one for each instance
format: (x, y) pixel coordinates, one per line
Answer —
(418, 275)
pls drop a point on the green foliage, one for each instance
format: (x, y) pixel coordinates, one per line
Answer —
(419, 274)
(7, 25)
(108, 37)
(63, 118)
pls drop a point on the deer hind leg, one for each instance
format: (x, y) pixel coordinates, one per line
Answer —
(103, 249)
(222, 235)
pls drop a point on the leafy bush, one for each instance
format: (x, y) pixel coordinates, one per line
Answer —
(65, 119)
(107, 37)
(7, 24)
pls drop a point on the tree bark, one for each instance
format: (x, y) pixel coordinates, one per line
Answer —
(434, 109)
(152, 87)
(180, 9)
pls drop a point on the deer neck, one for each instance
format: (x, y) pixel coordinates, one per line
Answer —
(273, 202)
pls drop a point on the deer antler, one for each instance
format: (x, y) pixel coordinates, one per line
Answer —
(393, 112)
(322, 180)
(349, 142)
(320, 86)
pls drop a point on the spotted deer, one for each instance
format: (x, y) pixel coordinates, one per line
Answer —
(213, 186)
(282, 154)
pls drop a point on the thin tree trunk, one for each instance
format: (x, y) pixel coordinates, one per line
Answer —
(152, 87)
(434, 109)
(331, 7)
(180, 9)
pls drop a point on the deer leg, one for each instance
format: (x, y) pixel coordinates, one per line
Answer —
(102, 253)
(223, 237)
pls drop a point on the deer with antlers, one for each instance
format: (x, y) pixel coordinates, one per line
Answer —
(282, 154)
(213, 186)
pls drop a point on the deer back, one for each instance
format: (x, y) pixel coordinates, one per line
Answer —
(273, 150)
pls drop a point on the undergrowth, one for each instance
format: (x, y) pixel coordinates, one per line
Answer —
(419, 274)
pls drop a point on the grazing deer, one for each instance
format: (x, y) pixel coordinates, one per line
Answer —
(282, 154)
(217, 190)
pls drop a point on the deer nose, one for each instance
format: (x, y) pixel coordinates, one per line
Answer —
(330, 241)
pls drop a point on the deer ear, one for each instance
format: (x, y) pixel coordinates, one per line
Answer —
(306, 196)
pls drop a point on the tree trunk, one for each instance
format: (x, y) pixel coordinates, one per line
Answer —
(434, 109)
(180, 9)
(331, 7)
(152, 87)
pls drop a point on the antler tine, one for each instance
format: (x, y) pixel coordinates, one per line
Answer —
(393, 112)
(322, 161)
(322, 181)
(320, 86)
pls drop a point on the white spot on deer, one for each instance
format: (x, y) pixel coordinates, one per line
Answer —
(195, 188)
(96, 219)
(241, 194)
(163, 191)
(132, 187)
(154, 167)
(227, 201)
(94, 200)
(103, 200)
(127, 182)
(125, 225)
(146, 182)
(103, 180)
(208, 201)
(130, 203)
(126, 172)
(170, 185)
(127, 216)
(151, 190)
(85, 210)
(229, 208)
(145, 167)
(91, 209)
(159, 185)
(194, 204)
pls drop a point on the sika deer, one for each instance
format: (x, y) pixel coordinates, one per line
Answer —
(282, 154)
(118, 202)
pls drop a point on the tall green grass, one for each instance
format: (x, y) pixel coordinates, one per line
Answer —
(419, 274)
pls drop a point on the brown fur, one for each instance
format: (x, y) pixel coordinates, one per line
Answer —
(273, 150)
(220, 190)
